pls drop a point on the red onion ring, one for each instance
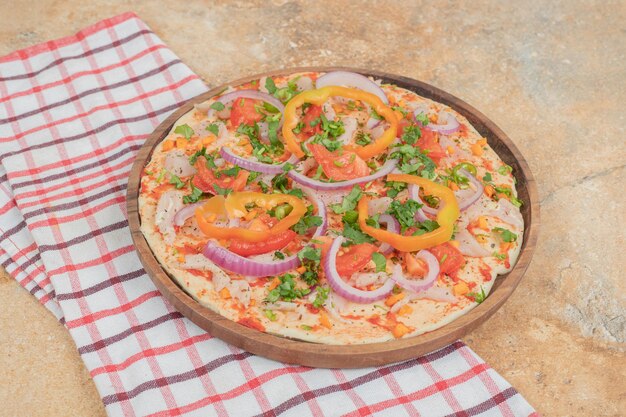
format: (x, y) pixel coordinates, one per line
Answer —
(423, 284)
(186, 212)
(323, 186)
(228, 98)
(321, 211)
(392, 226)
(351, 79)
(372, 123)
(343, 288)
(450, 126)
(226, 259)
(249, 165)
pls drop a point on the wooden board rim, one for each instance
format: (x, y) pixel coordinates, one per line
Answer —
(351, 356)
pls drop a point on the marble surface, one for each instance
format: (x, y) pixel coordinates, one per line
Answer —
(550, 73)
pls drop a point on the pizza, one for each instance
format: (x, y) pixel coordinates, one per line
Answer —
(331, 208)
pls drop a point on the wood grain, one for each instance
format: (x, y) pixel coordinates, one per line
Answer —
(353, 356)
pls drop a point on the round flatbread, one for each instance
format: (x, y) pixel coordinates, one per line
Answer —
(330, 208)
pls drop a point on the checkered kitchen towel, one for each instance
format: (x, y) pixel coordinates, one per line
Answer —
(73, 113)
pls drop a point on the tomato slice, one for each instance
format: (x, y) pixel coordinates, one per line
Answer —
(354, 258)
(205, 178)
(428, 142)
(452, 258)
(272, 243)
(339, 165)
(312, 113)
(244, 111)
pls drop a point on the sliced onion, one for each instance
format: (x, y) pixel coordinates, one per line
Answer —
(436, 294)
(464, 203)
(228, 98)
(321, 211)
(186, 212)
(372, 123)
(350, 125)
(378, 205)
(249, 165)
(169, 204)
(343, 288)
(450, 123)
(508, 213)
(304, 83)
(177, 162)
(392, 226)
(422, 284)
(226, 259)
(414, 195)
(320, 185)
(378, 131)
(468, 245)
(351, 79)
(329, 112)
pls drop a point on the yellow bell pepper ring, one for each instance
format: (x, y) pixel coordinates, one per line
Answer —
(446, 217)
(319, 97)
(235, 206)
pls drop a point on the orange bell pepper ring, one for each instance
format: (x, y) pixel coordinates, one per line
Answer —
(446, 217)
(320, 96)
(234, 206)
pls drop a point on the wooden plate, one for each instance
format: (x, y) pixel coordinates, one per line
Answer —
(353, 356)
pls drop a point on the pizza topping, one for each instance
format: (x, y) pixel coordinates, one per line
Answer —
(446, 217)
(447, 123)
(417, 285)
(341, 287)
(318, 97)
(302, 179)
(238, 264)
(236, 206)
(351, 79)
(224, 108)
(249, 165)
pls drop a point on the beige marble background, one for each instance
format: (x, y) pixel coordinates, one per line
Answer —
(552, 74)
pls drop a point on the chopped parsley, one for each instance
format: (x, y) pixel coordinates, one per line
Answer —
(279, 255)
(478, 297)
(221, 191)
(404, 212)
(411, 134)
(176, 181)
(195, 195)
(196, 155)
(394, 188)
(413, 161)
(380, 261)
(219, 106)
(487, 177)
(500, 256)
(363, 139)
(284, 94)
(306, 222)
(349, 202)
(422, 118)
(286, 290)
(505, 169)
(354, 235)
(321, 296)
(184, 130)
(505, 234)
(270, 315)
(213, 128)
(310, 258)
(231, 172)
